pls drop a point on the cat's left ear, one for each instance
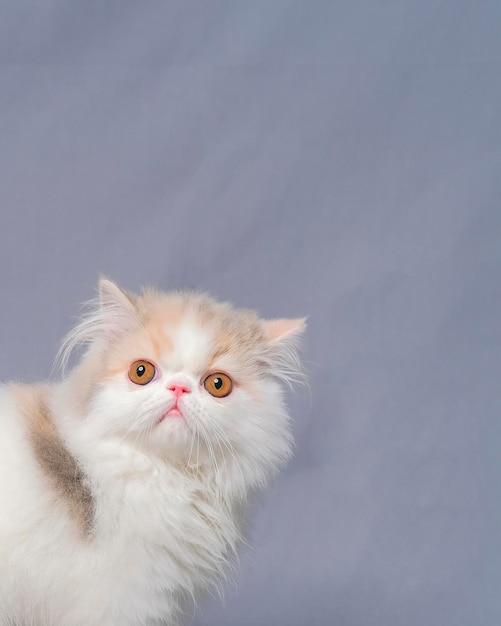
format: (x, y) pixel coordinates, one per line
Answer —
(283, 338)
(284, 330)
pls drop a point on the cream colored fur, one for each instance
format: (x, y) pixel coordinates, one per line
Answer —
(109, 516)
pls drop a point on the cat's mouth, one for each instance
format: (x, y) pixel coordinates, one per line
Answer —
(173, 413)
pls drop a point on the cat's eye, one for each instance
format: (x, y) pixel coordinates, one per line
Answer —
(218, 384)
(141, 372)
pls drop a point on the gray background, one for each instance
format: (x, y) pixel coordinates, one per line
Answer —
(336, 159)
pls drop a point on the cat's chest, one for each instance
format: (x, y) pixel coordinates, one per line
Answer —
(157, 536)
(154, 517)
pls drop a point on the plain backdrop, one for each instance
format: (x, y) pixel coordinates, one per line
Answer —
(336, 159)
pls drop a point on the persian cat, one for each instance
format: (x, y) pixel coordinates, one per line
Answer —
(123, 486)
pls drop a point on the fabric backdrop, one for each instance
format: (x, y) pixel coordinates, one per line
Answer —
(334, 159)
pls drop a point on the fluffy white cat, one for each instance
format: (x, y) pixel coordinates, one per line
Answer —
(122, 487)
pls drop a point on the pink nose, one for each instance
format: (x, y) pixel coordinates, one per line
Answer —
(178, 390)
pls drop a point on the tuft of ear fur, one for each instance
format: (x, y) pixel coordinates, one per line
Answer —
(108, 317)
(116, 307)
(283, 341)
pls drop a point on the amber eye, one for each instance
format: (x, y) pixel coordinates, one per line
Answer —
(141, 372)
(218, 384)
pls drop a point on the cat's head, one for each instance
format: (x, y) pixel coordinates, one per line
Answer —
(182, 376)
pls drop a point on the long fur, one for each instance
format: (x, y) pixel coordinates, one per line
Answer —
(113, 512)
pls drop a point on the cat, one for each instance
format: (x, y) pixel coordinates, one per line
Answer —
(123, 486)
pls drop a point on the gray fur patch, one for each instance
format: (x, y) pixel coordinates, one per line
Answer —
(57, 462)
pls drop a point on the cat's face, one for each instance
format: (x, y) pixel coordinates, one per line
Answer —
(191, 379)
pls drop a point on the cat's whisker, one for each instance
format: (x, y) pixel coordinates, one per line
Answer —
(198, 454)
(188, 463)
(223, 441)
(212, 456)
(211, 450)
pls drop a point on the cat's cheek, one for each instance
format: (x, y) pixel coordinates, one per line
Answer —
(221, 408)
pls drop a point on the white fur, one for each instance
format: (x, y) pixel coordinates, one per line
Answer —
(169, 496)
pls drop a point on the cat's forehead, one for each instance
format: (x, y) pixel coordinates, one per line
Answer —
(184, 342)
(194, 331)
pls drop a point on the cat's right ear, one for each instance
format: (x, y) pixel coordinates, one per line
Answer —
(111, 296)
(110, 318)
(117, 309)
